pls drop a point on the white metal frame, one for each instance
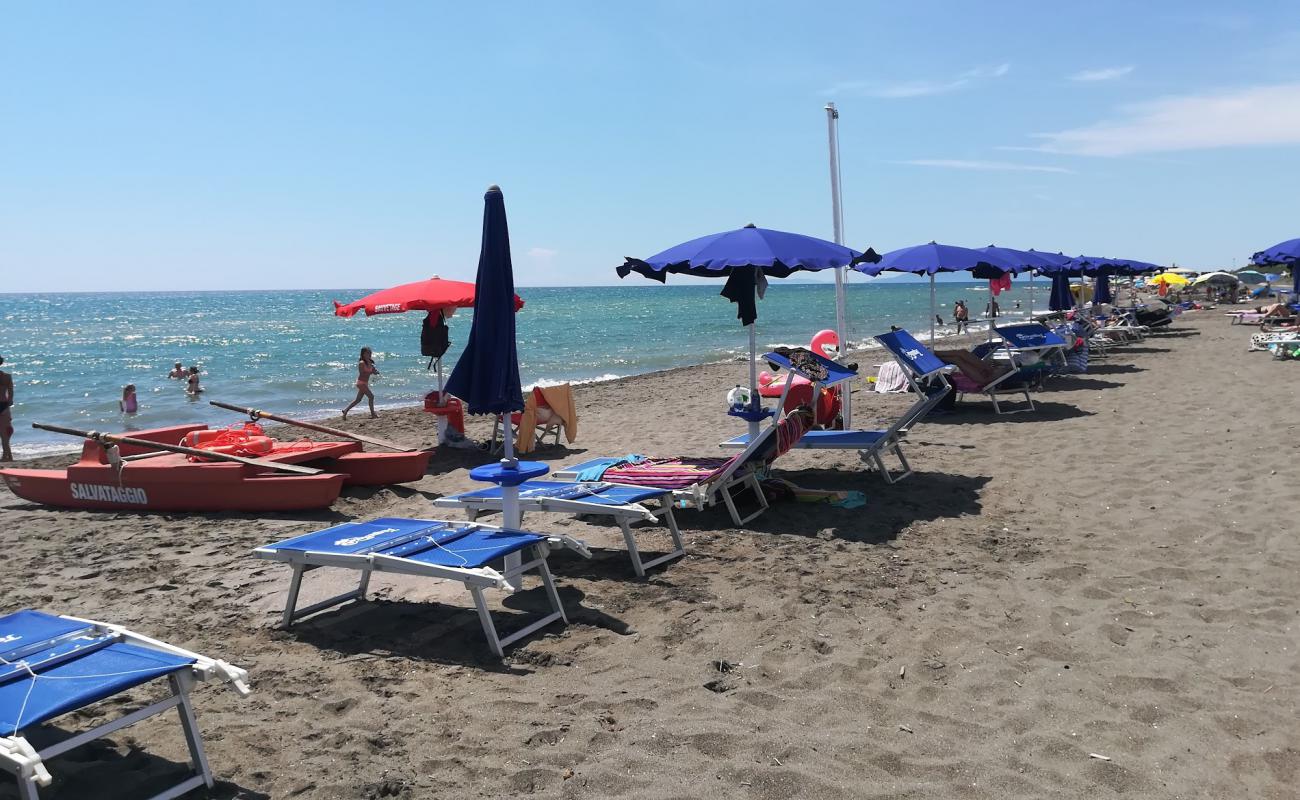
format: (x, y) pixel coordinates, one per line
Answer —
(27, 764)
(476, 579)
(624, 515)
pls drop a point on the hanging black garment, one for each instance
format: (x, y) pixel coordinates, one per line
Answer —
(434, 335)
(744, 285)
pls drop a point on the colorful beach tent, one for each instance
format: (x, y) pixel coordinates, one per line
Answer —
(932, 258)
(746, 257)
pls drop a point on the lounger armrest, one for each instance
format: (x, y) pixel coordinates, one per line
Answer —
(204, 668)
(578, 546)
(22, 760)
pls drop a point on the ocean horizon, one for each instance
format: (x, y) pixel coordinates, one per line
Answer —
(284, 350)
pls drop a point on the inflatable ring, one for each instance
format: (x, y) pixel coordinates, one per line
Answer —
(823, 342)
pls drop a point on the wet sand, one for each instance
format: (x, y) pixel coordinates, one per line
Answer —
(1116, 574)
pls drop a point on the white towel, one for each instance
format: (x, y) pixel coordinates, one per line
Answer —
(891, 379)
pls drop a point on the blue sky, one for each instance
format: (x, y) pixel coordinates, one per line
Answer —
(286, 144)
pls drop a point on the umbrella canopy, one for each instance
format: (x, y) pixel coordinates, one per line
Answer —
(1025, 259)
(1102, 295)
(1254, 276)
(1182, 270)
(1287, 252)
(486, 377)
(777, 254)
(1214, 277)
(932, 258)
(1061, 299)
(1168, 279)
(434, 294)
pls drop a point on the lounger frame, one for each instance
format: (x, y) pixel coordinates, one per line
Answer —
(625, 515)
(27, 764)
(474, 579)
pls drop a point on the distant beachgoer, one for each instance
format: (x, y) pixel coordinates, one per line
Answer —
(961, 315)
(128, 403)
(365, 368)
(192, 387)
(1017, 305)
(991, 310)
(178, 372)
(6, 412)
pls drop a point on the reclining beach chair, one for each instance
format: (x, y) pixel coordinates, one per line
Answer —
(624, 504)
(428, 549)
(547, 412)
(51, 665)
(873, 444)
(701, 482)
(977, 376)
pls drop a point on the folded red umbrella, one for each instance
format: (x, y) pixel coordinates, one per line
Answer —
(429, 295)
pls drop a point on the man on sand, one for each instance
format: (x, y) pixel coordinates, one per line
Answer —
(6, 412)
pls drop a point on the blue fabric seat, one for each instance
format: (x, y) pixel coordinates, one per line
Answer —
(51, 665)
(459, 551)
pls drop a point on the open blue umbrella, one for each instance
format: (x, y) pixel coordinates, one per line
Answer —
(1282, 254)
(930, 259)
(746, 257)
(1030, 260)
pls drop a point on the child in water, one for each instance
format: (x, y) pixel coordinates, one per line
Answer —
(192, 387)
(128, 404)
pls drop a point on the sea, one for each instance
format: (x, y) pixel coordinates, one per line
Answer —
(286, 352)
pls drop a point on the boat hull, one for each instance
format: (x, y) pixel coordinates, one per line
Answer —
(200, 489)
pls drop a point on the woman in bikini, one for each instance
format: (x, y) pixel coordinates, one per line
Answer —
(365, 368)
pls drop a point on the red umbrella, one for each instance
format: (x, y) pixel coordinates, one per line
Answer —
(431, 295)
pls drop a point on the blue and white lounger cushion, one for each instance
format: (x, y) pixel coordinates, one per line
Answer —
(457, 551)
(624, 504)
(924, 371)
(52, 665)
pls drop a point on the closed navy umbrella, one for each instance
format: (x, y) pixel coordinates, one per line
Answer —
(486, 377)
(1061, 299)
(1102, 293)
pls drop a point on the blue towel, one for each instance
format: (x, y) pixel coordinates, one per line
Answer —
(597, 469)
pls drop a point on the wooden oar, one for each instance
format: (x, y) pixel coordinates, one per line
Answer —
(255, 414)
(113, 438)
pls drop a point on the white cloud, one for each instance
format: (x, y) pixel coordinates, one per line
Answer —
(542, 253)
(1254, 116)
(1106, 74)
(987, 166)
(919, 88)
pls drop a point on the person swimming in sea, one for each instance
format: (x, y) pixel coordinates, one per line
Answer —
(6, 412)
(365, 368)
(192, 387)
(128, 404)
(178, 372)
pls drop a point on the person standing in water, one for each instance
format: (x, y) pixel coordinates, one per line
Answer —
(178, 372)
(961, 316)
(365, 368)
(192, 387)
(6, 412)
(128, 403)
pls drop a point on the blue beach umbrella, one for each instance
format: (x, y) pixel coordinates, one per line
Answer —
(486, 377)
(930, 259)
(1030, 260)
(1060, 299)
(746, 257)
(1282, 254)
(1102, 293)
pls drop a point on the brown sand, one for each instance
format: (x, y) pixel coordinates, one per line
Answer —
(1116, 574)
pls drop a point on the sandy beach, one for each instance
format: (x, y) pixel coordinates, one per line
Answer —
(1097, 599)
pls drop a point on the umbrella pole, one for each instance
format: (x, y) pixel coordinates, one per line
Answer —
(932, 309)
(837, 225)
(511, 516)
(1031, 295)
(754, 403)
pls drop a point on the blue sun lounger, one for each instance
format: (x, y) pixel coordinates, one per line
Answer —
(873, 444)
(52, 665)
(1031, 337)
(624, 504)
(456, 551)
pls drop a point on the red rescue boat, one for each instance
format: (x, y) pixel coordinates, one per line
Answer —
(159, 480)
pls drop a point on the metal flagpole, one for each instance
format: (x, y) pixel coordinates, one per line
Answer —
(837, 225)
